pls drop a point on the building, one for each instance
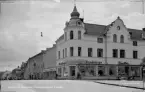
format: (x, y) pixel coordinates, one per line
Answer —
(42, 65)
(35, 67)
(99, 51)
(50, 63)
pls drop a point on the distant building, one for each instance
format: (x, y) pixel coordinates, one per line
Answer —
(86, 43)
(41, 65)
(50, 62)
(34, 66)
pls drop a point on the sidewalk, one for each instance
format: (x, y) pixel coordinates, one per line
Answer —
(122, 83)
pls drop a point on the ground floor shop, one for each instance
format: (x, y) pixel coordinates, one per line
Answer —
(100, 71)
(49, 73)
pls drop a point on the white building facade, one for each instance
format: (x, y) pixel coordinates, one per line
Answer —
(84, 43)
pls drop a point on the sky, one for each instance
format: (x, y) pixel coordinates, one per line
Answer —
(21, 23)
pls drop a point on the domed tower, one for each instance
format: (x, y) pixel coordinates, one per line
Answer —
(74, 25)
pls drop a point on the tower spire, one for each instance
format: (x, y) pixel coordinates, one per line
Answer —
(75, 13)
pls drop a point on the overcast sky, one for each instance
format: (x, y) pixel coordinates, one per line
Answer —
(22, 22)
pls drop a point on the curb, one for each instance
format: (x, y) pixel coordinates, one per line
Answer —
(120, 85)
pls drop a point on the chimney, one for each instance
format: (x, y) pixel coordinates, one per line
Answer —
(143, 29)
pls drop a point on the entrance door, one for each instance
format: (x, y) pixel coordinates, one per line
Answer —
(72, 70)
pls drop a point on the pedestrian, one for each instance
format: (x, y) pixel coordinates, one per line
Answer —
(56, 76)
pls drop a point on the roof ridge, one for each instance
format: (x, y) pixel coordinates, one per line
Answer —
(95, 24)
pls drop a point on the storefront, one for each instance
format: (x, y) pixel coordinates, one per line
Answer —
(49, 73)
(97, 70)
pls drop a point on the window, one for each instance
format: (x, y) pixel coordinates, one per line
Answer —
(58, 54)
(71, 34)
(100, 40)
(114, 38)
(100, 52)
(65, 36)
(71, 51)
(79, 51)
(135, 54)
(115, 53)
(122, 53)
(118, 27)
(121, 39)
(65, 52)
(79, 35)
(134, 43)
(89, 52)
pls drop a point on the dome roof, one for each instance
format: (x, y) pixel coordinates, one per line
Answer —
(75, 13)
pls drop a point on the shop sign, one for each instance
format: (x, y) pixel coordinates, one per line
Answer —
(93, 62)
(63, 63)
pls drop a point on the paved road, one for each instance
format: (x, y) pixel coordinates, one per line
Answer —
(61, 86)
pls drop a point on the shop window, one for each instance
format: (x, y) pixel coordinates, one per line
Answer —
(90, 52)
(115, 53)
(101, 70)
(121, 39)
(71, 34)
(114, 38)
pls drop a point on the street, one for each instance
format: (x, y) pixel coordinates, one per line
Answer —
(60, 86)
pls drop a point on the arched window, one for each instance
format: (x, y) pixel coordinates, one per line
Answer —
(114, 38)
(71, 35)
(121, 39)
(79, 35)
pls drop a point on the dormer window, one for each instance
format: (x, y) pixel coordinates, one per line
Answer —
(118, 27)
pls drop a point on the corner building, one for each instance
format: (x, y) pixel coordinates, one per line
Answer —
(87, 48)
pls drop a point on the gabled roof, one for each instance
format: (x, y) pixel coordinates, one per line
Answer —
(136, 34)
(94, 29)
